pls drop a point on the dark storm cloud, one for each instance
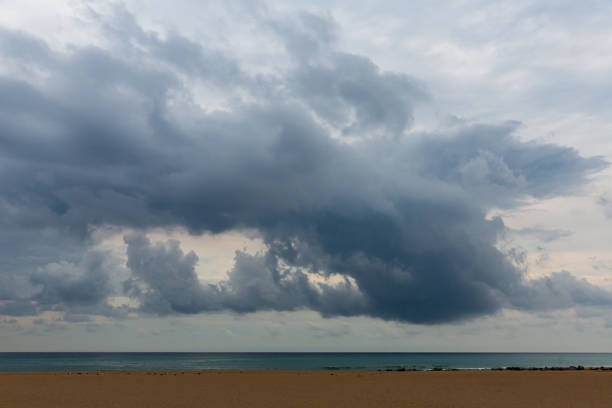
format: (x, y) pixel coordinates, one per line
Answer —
(165, 282)
(92, 137)
(22, 253)
(87, 285)
(18, 308)
(50, 270)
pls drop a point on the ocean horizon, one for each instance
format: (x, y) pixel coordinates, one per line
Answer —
(121, 361)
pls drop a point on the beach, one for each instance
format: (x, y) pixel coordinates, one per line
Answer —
(300, 388)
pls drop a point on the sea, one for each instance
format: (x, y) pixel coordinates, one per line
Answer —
(24, 362)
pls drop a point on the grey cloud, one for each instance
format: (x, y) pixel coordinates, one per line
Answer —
(600, 265)
(75, 318)
(72, 285)
(353, 95)
(306, 35)
(82, 287)
(545, 235)
(54, 270)
(542, 259)
(348, 91)
(176, 50)
(260, 282)
(606, 203)
(169, 275)
(103, 139)
(165, 282)
(337, 330)
(560, 290)
(24, 251)
(9, 321)
(490, 161)
(18, 308)
(24, 49)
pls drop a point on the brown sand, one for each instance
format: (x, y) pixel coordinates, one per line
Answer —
(307, 389)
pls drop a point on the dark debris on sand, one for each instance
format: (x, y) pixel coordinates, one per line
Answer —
(511, 368)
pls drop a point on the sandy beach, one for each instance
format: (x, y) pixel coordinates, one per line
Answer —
(307, 389)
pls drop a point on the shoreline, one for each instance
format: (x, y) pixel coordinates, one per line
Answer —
(326, 369)
(282, 370)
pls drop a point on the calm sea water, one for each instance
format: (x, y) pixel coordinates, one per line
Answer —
(293, 361)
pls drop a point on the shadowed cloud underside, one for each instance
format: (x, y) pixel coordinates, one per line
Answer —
(359, 215)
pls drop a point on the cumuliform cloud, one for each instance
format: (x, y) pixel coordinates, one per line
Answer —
(359, 214)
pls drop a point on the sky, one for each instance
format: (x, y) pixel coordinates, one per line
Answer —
(305, 176)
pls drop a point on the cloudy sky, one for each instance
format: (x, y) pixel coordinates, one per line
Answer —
(305, 176)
